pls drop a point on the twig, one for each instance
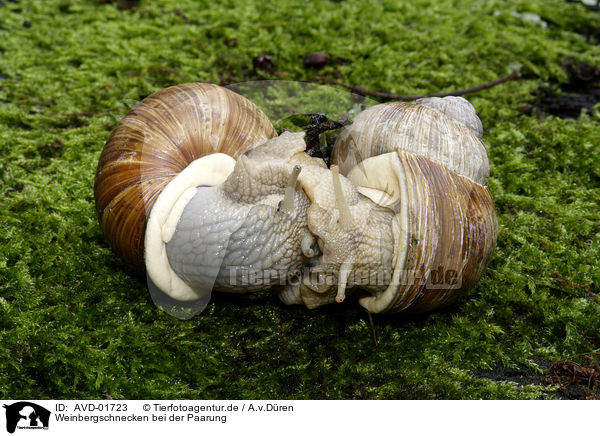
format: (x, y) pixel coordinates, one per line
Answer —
(318, 124)
(357, 89)
(567, 373)
(582, 354)
(372, 328)
(586, 288)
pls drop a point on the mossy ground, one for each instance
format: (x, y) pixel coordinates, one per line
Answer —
(75, 324)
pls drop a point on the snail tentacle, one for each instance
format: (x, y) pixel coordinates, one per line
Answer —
(342, 205)
(287, 204)
(343, 274)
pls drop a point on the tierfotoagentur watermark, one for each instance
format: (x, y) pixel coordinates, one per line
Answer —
(438, 278)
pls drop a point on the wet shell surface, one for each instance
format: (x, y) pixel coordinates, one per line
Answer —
(155, 142)
(426, 162)
(446, 133)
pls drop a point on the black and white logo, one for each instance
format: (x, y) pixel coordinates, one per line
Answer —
(26, 415)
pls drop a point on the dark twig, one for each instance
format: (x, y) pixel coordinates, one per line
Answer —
(318, 124)
(568, 284)
(566, 373)
(372, 328)
(357, 89)
(585, 355)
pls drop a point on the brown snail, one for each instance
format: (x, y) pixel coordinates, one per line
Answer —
(194, 187)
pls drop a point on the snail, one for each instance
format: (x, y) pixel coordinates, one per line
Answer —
(195, 188)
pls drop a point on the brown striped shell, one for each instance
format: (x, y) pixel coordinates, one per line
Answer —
(433, 170)
(155, 141)
(425, 127)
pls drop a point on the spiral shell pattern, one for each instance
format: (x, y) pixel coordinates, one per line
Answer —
(428, 163)
(155, 141)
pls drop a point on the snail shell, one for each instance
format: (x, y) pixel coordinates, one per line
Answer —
(445, 130)
(155, 142)
(426, 162)
(411, 195)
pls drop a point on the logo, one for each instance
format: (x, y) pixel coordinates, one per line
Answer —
(26, 415)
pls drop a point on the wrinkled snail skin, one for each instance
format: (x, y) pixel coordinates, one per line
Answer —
(247, 229)
(241, 227)
(194, 187)
(353, 234)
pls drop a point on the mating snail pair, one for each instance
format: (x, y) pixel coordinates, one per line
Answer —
(195, 188)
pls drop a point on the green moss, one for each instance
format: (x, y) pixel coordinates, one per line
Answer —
(75, 324)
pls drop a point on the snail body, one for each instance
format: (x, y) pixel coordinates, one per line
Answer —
(194, 188)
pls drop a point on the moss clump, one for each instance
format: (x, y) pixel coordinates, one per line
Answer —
(75, 324)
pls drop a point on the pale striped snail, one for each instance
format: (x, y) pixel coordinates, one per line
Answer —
(194, 187)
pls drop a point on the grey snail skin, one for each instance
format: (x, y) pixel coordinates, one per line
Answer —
(195, 189)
